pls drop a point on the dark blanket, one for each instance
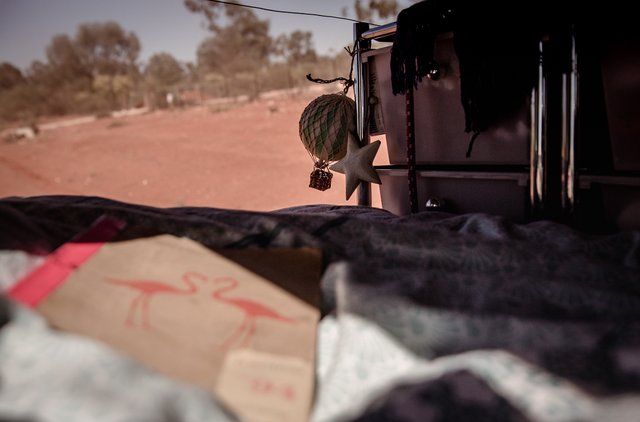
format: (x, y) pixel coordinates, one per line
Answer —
(438, 285)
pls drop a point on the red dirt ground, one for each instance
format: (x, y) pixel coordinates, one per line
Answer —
(248, 157)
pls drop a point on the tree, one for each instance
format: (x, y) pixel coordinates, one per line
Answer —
(64, 63)
(375, 9)
(10, 76)
(19, 97)
(163, 70)
(113, 89)
(106, 48)
(296, 47)
(238, 50)
(93, 71)
(191, 73)
(241, 47)
(20, 103)
(161, 74)
(211, 11)
(88, 72)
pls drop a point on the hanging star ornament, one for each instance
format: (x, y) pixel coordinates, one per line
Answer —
(357, 164)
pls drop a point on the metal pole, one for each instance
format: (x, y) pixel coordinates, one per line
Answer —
(569, 120)
(379, 31)
(538, 139)
(360, 97)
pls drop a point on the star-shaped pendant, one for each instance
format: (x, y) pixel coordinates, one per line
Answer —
(357, 165)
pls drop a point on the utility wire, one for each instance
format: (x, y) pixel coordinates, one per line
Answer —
(290, 12)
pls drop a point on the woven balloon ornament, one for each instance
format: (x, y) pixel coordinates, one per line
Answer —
(325, 125)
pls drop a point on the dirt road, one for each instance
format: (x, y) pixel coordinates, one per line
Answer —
(246, 157)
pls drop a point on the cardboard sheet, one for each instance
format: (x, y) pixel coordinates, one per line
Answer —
(197, 316)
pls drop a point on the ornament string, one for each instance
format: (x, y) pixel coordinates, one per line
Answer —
(348, 82)
(321, 176)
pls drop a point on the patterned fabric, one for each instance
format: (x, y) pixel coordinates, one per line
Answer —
(543, 321)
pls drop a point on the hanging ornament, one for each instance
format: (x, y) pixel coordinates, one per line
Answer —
(325, 125)
(357, 165)
(320, 176)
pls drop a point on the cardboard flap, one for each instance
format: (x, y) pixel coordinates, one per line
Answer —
(195, 315)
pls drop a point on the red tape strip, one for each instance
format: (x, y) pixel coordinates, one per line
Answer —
(35, 286)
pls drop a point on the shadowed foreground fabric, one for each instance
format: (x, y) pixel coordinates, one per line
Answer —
(456, 396)
(544, 320)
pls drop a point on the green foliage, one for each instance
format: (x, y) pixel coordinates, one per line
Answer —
(163, 71)
(242, 45)
(384, 9)
(106, 48)
(380, 11)
(275, 76)
(236, 59)
(96, 70)
(21, 103)
(210, 11)
(10, 76)
(93, 72)
(296, 47)
(162, 75)
(111, 91)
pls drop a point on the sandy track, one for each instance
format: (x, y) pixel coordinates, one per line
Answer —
(249, 157)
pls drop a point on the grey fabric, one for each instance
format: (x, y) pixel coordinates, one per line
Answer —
(438, 284)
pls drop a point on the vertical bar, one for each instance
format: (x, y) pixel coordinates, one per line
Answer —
(360, 97)
(564, 149)
(533, 150)
(538, 138)
(569, 120)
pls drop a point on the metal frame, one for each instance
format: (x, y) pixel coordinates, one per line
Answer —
(360, 97)
(570, 103)
(538, 138)
(538, 172)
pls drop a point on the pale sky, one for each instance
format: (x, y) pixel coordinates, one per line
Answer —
(27, 26)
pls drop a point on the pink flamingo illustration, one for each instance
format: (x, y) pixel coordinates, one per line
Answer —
(252, 310)
(148, 288)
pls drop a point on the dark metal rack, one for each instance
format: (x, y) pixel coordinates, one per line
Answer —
(553, 175)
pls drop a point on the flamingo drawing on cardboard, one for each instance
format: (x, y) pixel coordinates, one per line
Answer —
(252, 310)
(148, 288)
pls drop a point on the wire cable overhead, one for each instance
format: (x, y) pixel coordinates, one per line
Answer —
(289, 12)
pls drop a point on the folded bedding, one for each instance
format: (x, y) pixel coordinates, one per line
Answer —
(431, 316)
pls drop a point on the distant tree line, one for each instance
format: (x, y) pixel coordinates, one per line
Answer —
(95, 70)
(371, 10)
(98, 69)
